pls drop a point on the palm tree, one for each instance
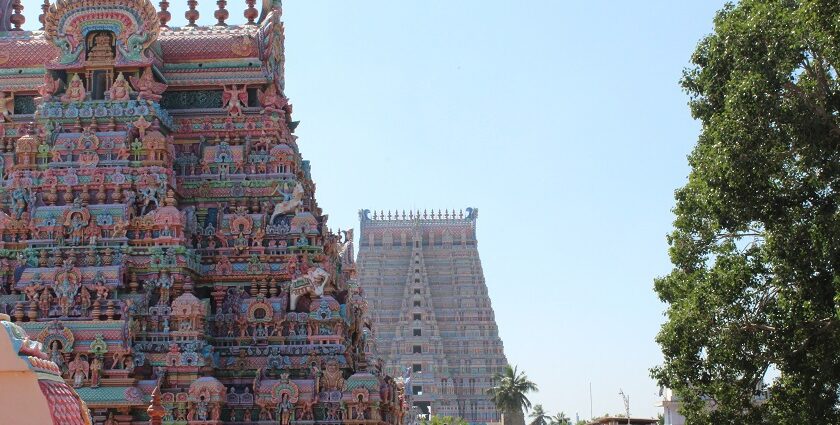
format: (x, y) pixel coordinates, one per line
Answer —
(510, 393)
(560, 419)
(540, 418)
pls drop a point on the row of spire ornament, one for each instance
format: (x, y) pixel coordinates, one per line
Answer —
(411, 215)
(221, 14)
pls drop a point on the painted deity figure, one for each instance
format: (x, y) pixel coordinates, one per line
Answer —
(164, 282)
(332, 379)
(67, 284)
(284, 410)
(44, 302)
(79, 369)
(316, 375)
(77, 229)
(234, 99)
(120, 90)
(75, 90)
(19, 203)
(84, 299)
(95, 371)
(50, 86)
(306, 409)
(7, 105)
(146, 86)
(202, 409)
(55, 355)
(271, 100)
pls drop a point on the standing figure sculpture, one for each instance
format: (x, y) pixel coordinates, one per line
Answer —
(284, 410)
(79, 370)
(234, 99)
(95, 371)
(7, 105)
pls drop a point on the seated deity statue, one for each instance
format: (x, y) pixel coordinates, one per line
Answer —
(75, 91)
(120, 90)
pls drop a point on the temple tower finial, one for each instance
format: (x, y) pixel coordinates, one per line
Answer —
(45, 7)
(17, 18)
(221, 14)
(191, 14)
(251, 12)
(163, 15)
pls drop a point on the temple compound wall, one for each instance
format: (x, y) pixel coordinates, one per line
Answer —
(159, 232)
(435, 322)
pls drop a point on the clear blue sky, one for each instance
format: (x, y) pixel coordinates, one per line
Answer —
(563, 122)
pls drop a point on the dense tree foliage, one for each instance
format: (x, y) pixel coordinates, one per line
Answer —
(753, 296)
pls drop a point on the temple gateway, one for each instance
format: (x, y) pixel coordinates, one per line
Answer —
(159, 230)
(423, 274)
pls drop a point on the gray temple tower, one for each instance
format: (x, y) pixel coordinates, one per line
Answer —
(423, 274)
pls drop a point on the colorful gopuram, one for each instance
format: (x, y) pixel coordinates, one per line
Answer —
(158, 226)
(433, 316)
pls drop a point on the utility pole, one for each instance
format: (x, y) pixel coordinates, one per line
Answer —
(626, 399)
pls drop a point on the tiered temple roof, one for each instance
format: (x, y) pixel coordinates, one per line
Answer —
(430, 303)
(159, 228)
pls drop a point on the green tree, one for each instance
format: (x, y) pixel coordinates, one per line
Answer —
(539, 416)
(511, 390)
(444, 420)
(560, 419)
(756, 241)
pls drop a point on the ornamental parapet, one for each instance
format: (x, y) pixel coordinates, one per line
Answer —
(121, 111)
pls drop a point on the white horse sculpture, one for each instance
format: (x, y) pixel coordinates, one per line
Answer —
(289, 204)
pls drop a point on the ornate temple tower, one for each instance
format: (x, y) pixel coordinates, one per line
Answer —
(159, 230)
(423, 274)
